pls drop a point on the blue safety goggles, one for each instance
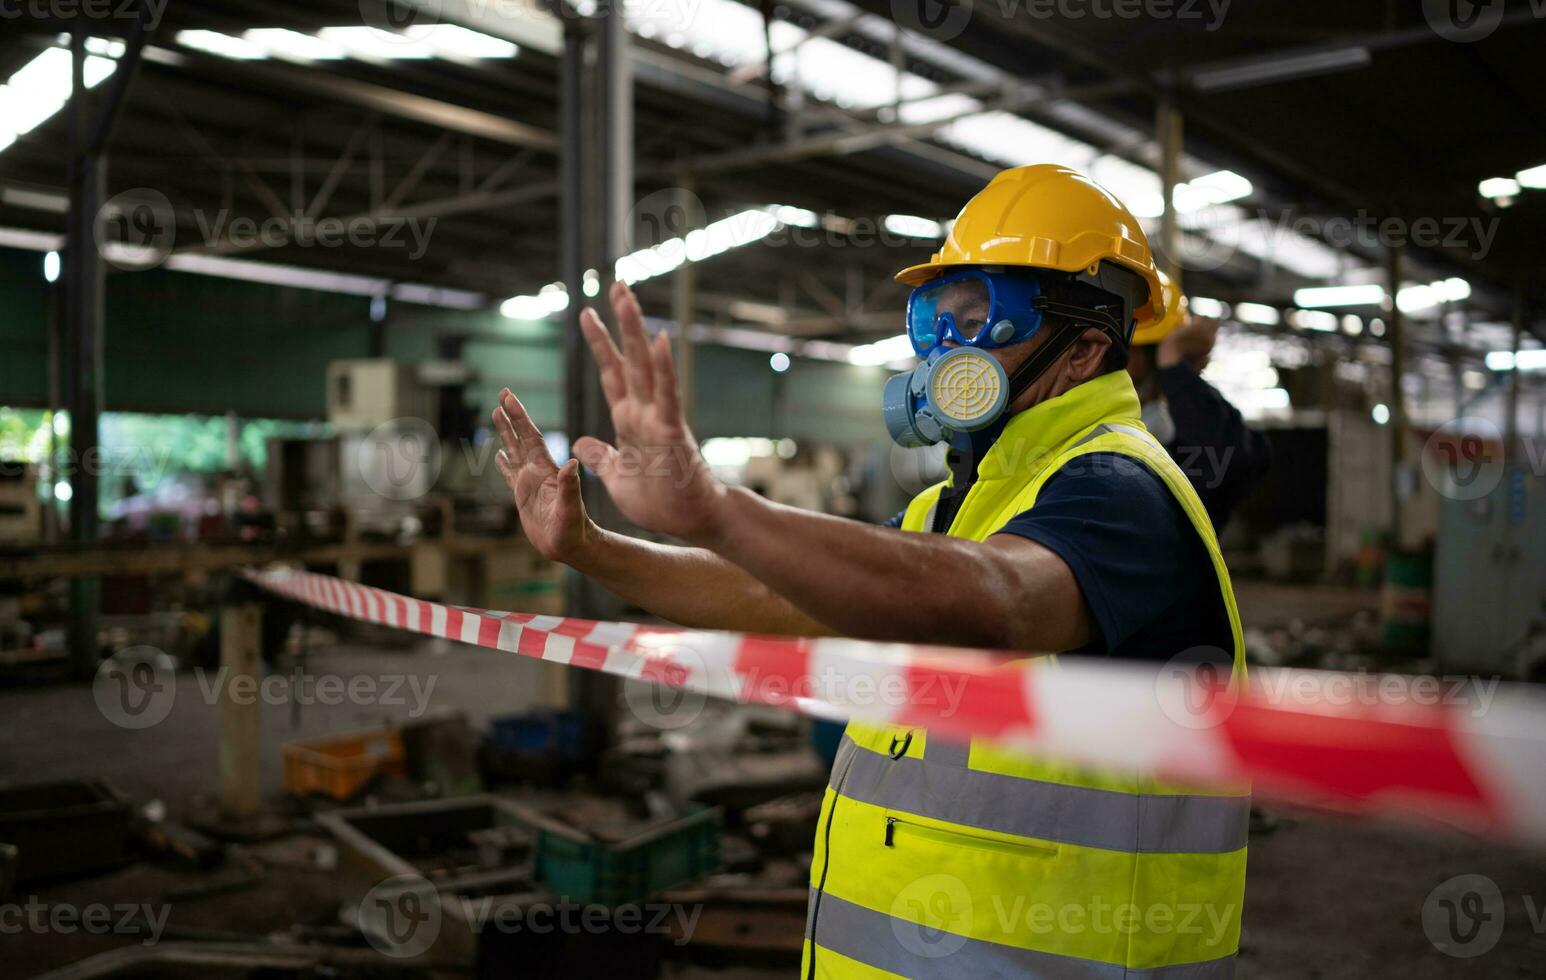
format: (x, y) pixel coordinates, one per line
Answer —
(974, 308)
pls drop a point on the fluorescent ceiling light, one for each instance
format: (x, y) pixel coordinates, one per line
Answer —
(1219, 187)
(1261, 71)
(1258, 313)
(1525, 360)
(373, 44)
(446, 41)
(224, 45)
(1496, 187)
(912, 226)
(898, 348)
(1315, 320)
(1323, 296)
(293, 45)
(460, 44)
(441, 41)
(41, 87)
(799, 217)
(550, 299)
(1534, 178)
(1209, 308)
(1416, 299)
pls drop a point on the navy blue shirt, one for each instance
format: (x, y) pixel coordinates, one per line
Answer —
(1144, 572)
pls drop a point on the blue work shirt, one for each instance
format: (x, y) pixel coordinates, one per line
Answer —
(1143, 571)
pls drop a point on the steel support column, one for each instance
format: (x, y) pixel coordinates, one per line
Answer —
(596, 183)
(81, 376)
(1511, 417)
(1398, 468)
(81, 340)
(684, 300)
(1169, 135)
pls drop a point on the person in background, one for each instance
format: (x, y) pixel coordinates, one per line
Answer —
(1223, 457)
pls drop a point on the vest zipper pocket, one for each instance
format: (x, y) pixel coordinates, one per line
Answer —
(897, 826)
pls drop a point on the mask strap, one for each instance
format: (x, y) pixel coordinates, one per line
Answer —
(1058, 344)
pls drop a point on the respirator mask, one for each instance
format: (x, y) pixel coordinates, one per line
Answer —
(953, 322)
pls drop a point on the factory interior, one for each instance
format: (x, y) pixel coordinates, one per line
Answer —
(312, 315)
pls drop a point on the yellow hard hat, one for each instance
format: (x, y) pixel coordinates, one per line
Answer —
(1046, 217)
(1154, 331)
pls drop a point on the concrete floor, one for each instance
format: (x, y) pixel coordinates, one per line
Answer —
(1325, 898)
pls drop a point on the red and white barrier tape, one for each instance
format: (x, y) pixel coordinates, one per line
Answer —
(1389, 746)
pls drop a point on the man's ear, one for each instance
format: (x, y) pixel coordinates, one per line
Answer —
(1086, 355)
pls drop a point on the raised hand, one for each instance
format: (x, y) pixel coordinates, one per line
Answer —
(654, 472)
(546, 496)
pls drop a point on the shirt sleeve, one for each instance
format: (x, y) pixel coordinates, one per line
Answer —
(1132, 549)
(895, 521)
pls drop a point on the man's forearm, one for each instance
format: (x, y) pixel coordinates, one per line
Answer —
(690, 586)
(878, 583)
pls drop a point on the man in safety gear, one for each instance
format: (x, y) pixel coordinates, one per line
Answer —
(1064, 526)
(1223, 457)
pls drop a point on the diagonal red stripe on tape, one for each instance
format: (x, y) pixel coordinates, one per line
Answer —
(1409, 754)
(533, 643)
(488, 632)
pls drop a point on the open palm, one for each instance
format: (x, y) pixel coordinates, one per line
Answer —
(546, 496)
(654, 473)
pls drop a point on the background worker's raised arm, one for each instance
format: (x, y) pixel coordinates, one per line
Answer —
(690, 586)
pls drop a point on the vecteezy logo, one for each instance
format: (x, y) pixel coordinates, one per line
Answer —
(135, 688)
(1463, 459)
(658, 225)
(941, 20)
(136, 230)
(1193, 688)
(409, 20)
(401, 916)
(932, 916)
(1464, 916)
(666, 700)
(1463, 21)
(400, 459)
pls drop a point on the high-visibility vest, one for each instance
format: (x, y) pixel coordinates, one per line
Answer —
(941, 860)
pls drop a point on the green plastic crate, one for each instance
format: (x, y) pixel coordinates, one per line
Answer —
(592, 872)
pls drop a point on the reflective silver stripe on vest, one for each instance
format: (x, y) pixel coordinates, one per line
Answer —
(1148, 823)
(920, 953)
(943, 752)
(1128, 430)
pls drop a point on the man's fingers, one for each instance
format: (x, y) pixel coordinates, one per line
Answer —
(636, 347)
(512, 474)
(530, 447)
(507, 437)
(595, 454)
(569, 486)
(667, 392)
(608, 361)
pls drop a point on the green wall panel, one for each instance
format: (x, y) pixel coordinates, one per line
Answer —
(23, 329)
(184, 343)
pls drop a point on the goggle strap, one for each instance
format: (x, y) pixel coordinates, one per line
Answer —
(1096, 316)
